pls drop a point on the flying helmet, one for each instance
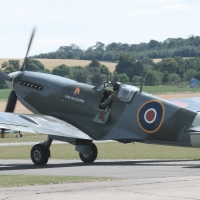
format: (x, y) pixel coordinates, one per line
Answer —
(116, 86)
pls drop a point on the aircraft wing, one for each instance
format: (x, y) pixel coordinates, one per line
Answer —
(190, 103)
(35, 123)
(195, 130)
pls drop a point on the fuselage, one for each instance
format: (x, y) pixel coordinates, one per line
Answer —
(143, 118)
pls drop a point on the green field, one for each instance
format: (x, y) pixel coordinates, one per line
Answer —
(4, 93)
(23, 180)
(169, 89)
(110, 150)
(27, 137)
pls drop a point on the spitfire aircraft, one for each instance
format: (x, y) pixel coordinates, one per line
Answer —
(67, 110)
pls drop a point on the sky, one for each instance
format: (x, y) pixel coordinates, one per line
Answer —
(85, 22)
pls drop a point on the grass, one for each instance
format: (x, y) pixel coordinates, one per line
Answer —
(111, 150)
(24, 180)
(4, 93)
(169, 89)
(27, 137)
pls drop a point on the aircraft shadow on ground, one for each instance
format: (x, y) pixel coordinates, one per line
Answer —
(22, 166)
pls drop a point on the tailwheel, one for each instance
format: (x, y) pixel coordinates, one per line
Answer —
(40, 154)
(89, 158)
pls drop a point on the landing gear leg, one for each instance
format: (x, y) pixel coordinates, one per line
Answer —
(89, 158)
(40, 153)
(2, 133)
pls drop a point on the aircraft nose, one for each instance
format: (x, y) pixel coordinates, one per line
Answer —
(13, 75)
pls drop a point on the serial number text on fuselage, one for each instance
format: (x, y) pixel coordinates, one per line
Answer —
(74, 99)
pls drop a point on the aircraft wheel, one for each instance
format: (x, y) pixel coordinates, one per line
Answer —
(40, 154)
(89, 158)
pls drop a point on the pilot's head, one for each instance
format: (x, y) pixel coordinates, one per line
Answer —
(116, 86)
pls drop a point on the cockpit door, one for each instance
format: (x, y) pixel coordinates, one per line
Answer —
(125, 95)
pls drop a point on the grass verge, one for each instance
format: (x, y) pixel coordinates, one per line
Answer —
(111, 150)
(26, 180)
(169, 89)
(26, 137)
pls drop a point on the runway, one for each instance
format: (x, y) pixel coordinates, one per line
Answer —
(137, 179)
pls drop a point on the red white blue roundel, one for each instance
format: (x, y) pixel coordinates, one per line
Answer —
(150, 116)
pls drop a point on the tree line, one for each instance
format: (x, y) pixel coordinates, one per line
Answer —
(170, 47)
(169, 71)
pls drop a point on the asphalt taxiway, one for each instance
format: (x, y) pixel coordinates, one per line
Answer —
(137, 179)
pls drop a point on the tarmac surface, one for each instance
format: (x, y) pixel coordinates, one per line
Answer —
(137, 179)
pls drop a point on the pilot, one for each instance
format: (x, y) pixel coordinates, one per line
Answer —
(112, 97)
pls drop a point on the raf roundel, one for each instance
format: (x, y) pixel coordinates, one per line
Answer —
(150, 116)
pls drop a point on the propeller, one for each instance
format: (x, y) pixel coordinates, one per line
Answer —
(25, 59)
(5, 77)
(13, 97)
(11, 102)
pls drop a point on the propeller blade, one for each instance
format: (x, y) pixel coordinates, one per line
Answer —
(11, 102)
(5, 77)
(24, 63)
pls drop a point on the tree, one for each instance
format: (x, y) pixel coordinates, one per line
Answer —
(15, 64)
(190, 74)
(135, 80)
(165, 78)
(61, 70)
(154, 44)
(126, 65)
(197, 76)
(147, 61)
(167, 64)
(174, 79)
(152, 78)
(100, 46)
(123, 78)
(94, 63)
(115, 77)
(138, 68)
(11, 66)
(98, 78)
(9, 69)
(95, 68)
(47, 71)
(104, 70)
(34, 65)
(171, 47)
(4, 65)
(79, 74)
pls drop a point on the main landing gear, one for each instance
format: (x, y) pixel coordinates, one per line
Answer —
(40, 153)
(89, 158)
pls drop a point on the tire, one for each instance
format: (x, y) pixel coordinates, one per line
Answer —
(89, 158)
(40, 154)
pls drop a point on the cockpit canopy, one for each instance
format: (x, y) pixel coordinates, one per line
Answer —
(126, 92)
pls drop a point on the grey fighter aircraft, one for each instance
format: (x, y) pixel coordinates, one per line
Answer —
(70, 111)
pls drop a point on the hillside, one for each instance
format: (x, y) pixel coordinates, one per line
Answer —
(171, 47)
